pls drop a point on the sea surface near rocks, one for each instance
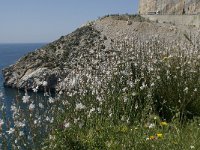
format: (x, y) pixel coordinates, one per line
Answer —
(9, 54)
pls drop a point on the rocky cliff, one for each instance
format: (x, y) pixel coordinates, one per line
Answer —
(51, 61)
(88, 50)
(169, 6)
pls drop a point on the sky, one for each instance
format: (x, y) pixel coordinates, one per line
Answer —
(43, 21)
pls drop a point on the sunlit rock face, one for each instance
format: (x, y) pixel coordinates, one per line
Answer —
(169, 7)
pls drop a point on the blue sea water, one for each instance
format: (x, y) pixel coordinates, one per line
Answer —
(9, 54)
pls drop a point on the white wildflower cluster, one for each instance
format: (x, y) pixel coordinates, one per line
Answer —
(26, 98)
(138, 67)
(80, 106)
(29, 116)
(116, 83)
(1, 95)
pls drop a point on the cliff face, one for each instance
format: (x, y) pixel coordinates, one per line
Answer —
(169, 6)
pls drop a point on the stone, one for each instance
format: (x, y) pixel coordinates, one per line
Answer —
(169, 7)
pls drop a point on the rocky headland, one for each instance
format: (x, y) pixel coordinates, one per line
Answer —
(87, 51)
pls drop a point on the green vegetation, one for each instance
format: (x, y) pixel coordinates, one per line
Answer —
(126, 17)
(148, 100)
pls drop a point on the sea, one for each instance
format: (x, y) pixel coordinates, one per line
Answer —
(9, 54)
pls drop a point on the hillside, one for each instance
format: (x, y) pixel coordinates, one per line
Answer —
(122, 82)
(88, 49)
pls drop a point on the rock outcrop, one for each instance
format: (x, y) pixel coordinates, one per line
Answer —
(86, 51)
(51, 61)
(172, 7)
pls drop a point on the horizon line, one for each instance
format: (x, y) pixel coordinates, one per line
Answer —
(24, 42)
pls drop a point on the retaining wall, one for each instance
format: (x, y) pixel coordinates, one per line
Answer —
(190, 20)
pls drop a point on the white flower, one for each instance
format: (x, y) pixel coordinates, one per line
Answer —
(131, 84)
(147, 139)
(65, 102)
(44, 83)
(35, 122)
(80, 106)
(152, 84)
(125, 99)
(92, 109)
(192, 147)
(75, 120)
(47, 118)
(90, 112)
(123, 118)
(134, 94)
(21, 133)
(2, 107)
(60, 92)
(152, 125)
(35, 89)
(51, 137)
(99, 110)
(52, 119)
(124, 89)
(26, 98)
(31, 106)
(110, 114)
(14, 109)
(99, 98)
(1, 123)
(1, 94)
(186, 90)
(74, 81)
(136, 106)
(11, 131)
(80, 125)
(51, 100)
(67, 125)
(143, 86)
(19, 124)
(41, 105)
(46, 94)
(128, 120)
(29, 137)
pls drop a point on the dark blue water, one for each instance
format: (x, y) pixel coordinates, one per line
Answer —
(9, 54)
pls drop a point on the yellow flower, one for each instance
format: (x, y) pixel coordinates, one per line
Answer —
(163, 123)
(152, 137)
(124, 129)
(165, 58)
(159, 135)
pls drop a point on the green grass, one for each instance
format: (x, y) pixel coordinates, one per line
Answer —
(106, 135)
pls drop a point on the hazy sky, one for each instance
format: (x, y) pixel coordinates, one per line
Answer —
(30, 21)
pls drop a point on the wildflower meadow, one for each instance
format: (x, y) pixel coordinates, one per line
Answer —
(140, 95)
